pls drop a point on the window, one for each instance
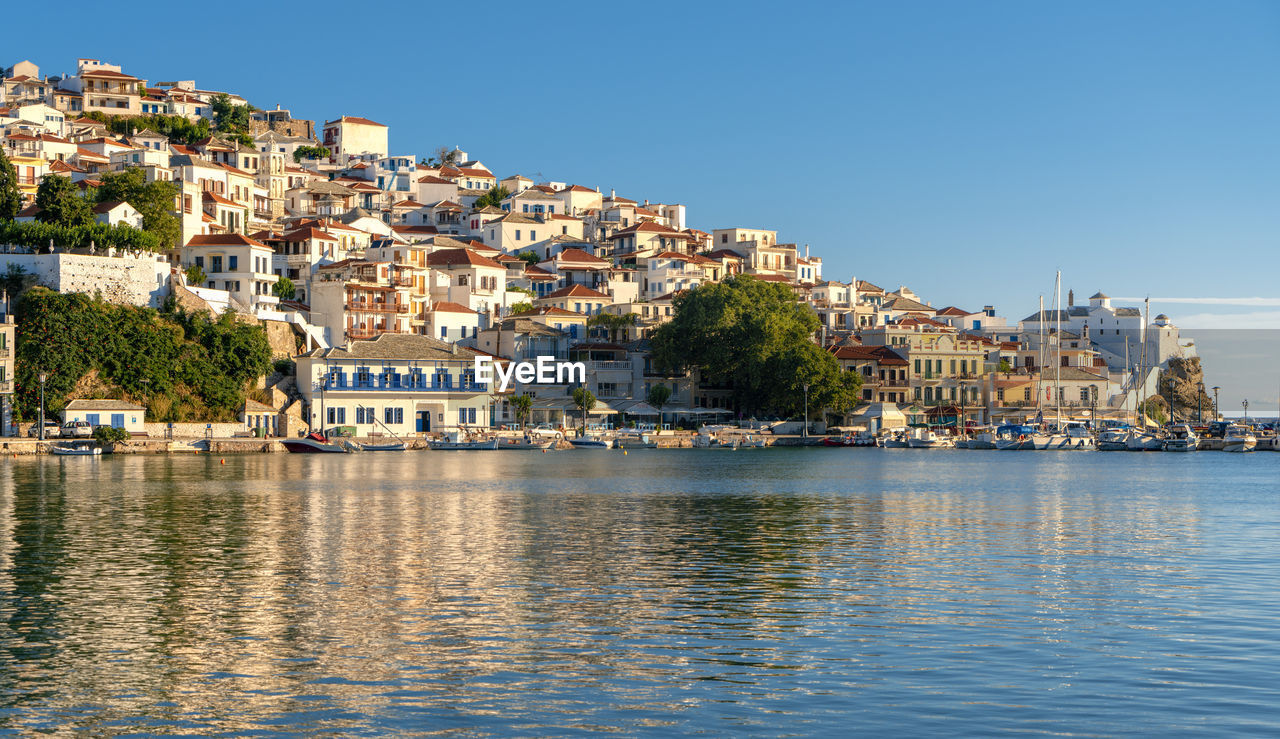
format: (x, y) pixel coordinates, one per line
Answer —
(517, 234)
(392, 415)
(533, 235)
(200, 262)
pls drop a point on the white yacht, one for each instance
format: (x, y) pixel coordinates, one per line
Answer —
(1181, 439)
(1238, 439)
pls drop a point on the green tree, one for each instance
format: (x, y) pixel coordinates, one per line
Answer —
(612, 323)
(755, 337)
(284, 288)
(494, 197)
(530, 257)
(60, 203)
(585, 401)
(310, 152)
(658, 396)
(154, 200)
(196, 275)
(229, 117)
(518, 308)
(522, 405)
(10, 196)
(14, 280)
(1005, 366)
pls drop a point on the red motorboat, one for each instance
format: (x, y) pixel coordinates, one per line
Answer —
(842, 441)
(313, 444)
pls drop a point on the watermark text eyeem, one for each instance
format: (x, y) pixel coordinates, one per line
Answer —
(543, 370)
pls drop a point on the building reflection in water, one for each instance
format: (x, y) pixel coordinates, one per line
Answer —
(187, 592)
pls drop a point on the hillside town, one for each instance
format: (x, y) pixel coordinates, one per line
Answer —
(382, 275)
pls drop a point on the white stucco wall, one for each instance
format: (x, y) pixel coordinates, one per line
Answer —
(122, 280)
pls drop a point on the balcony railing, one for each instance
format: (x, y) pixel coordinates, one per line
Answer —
(376, 307)
(404, 386)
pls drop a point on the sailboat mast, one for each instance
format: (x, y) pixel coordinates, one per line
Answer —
(1040, 362)
(1057, 362)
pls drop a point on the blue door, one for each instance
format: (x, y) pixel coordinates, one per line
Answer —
(92, 418)
(117, 420)
(423, 424)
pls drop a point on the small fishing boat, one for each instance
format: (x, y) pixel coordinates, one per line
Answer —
(895, 441)
(635, 440)
(1074, 437)
(1181, 439)
(1115, 440)
(1012, 438)
(456, 441)
(981, 440)
(1238, 438)
(591, 442)
(394, 447)
(926, 439)
(1143, 441)
(840, 441)
(313, 443)
(527, 443)
(76, 451)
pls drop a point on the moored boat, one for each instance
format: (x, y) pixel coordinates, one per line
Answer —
(457, 441)
(1143, 441)
(591, 442)
(1013, 438)
(1238, 438)
(926, 439)
(1181, 439)
(313, 443)
(1115, 440)
(527, 443)
(76, 451)
(393, 447)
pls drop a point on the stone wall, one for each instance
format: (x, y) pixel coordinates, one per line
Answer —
(121, 280)
(193, 430)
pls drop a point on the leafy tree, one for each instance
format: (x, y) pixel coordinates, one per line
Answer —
(612, 323)
(658, 396)
(755, 337)
(284, 288)
(585, 401)
(310, 152)
(229, 117)
(60, 203)
(37, 236)
(196, 275)
(522, 405)
(10, 196)
(188, 367)
(1005, 366)
(530, 257)
(443, 156)
(154, 200)
(14, 280)
(494, 197)
(518, 308)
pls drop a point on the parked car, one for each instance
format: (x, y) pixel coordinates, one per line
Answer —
(545, 430)
(77, 428)
(51, 430)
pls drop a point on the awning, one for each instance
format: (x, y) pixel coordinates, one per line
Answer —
(637, 408)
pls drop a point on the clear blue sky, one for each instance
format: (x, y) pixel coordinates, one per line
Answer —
(965, 149)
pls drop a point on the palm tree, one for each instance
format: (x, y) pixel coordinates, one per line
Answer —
(523, 406)
(583, 398)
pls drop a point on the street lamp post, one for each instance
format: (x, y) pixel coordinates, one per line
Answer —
(1200, 402)
(44, 377)
(804, 432)
(1216, 388)
(1245, 403)
(1169, 383)
(1093, 401)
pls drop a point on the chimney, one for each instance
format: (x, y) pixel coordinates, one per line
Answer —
(1071, 298)
(612, 193)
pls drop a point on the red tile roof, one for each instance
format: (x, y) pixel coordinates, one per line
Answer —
(577, 291)
(224, 240)
(460, 256)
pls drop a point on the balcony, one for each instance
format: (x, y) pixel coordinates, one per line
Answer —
(377, 307)
(376, 385)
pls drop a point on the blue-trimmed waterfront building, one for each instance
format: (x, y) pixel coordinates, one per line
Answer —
(396, 383)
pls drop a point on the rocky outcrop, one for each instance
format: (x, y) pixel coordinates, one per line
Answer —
(1184, 377)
